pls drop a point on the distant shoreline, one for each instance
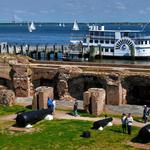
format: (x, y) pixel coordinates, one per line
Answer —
(113, 23)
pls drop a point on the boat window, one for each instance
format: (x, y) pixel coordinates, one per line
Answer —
(106, 50)
(101, 41)
(107, 41)
(112, 42)
(91, 41)
(91, 33)
(96, 41)
(96, 33)
(112, 50)
(101, 33)
(145, 42)
(126, 34)
(141, 42)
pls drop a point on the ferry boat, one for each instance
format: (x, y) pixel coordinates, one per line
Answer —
(118, 43)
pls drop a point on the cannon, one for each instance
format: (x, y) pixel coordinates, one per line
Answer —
(32, 117)
(144, 134)
(101, 123)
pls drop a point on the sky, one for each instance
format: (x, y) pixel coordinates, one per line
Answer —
(69, 10)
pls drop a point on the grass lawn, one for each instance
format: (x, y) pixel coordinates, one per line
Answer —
(5, 110)
(65, 135)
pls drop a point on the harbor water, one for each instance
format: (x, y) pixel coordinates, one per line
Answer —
(52, 33)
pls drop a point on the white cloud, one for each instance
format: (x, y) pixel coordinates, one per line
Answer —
(120, 6)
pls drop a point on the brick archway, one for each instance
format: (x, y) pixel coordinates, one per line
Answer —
(137, 90)
(6, 83)
(78, 85)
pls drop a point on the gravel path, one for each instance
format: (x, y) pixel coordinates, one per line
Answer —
(64, 115)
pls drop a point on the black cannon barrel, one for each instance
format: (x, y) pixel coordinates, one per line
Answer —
(144, 134)
(102, 123)
(32, 117)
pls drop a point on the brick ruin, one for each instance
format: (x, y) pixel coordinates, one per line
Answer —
(122, 84)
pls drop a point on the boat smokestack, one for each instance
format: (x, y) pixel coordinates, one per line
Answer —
(102, 28)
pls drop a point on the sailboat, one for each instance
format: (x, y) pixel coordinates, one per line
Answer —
(63, 25)
(31, 27)
(75, 26)
(59, 25)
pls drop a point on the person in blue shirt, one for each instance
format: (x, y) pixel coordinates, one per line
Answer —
(49, 102)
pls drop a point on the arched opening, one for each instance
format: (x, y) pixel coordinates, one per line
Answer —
(5, 83)
(138, 90)
(78, 85)
(48, 83)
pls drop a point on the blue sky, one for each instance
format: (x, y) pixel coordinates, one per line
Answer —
(82, 10)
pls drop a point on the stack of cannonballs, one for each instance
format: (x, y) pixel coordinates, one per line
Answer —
(7, 97)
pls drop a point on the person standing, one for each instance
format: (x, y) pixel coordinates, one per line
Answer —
(50, 103)
(75, 108)
(54, 105)
(145, 113)
(124, 122)
(129, 123)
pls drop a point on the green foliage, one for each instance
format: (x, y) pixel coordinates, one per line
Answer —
(66, 135)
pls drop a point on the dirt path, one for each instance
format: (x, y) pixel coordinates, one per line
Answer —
(64, 115)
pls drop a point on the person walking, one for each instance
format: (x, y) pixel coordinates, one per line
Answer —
(145, 113)
(124, 122)
(129, 123)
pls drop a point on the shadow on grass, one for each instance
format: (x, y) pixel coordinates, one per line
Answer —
(29, 107)
(117, 131)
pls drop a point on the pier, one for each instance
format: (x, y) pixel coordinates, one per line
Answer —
(45, 52)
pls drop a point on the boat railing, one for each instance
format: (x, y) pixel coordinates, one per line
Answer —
(101, 37)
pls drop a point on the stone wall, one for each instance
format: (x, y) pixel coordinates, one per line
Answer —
(94, 100)
(41, 96)
(7, 97)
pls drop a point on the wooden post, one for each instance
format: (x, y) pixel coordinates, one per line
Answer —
(62, 48)
(7, 47)
(100, 52)
(37, 48)
(45, 54)
(14, 49)
(21, 47)
(82, 51)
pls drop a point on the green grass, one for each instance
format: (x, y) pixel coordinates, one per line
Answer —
(66, 135)
(5, 110)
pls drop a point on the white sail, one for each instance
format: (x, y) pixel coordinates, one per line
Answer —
(75, 26)
(31, 27)
(63, 25)
(59, 25)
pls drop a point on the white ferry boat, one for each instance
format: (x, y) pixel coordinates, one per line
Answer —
(118, 43)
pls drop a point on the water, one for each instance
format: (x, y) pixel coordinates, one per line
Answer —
(52, 33)
(44, 34)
